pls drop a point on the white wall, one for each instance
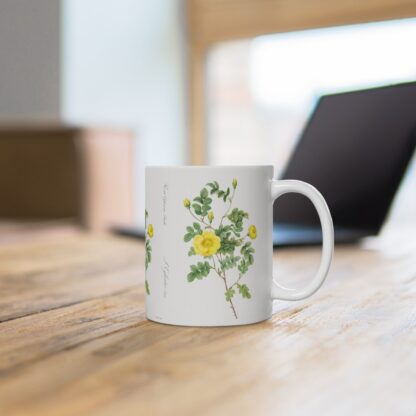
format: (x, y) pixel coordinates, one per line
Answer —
(123, 64)
(105, 62)
(29, 59)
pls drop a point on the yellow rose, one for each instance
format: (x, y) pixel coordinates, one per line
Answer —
(150, 230)
(186, 203)
(210, 216)
(206, 244)
(252, 232)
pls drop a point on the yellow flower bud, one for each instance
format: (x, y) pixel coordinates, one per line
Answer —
(234, 183)
(150, 230)
(252, 232)
(186, 203)
(210, 216)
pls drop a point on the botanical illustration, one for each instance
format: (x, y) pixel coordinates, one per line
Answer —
(222, 241)
(148, 247)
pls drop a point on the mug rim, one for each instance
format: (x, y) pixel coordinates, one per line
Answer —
(192, 167)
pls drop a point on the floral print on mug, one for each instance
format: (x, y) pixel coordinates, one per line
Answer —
(222, 244)
(148, 247)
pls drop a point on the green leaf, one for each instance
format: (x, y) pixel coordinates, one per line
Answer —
(228, 246)
(244, 291)
(229, 294)
(204, 269)
(203, 202)
(226, 194)
(148, 254)
(247, 250)
(199, 271)
(191, 252)
(192, 232)
(214, 187)
(205, 210)
(228, 242)
(223, 231)
(196, 226)
(237, 216)
(197, 209)
(243, 267)
(229, 262)
(187, 237)
(146, 284)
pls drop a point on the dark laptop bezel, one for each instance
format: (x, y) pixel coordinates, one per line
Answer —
(409, 146)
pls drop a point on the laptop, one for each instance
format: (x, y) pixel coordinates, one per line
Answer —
(354, 149)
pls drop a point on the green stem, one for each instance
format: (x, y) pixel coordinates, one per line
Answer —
(215, 267)
(223, 277)
(230, 199)
(201, 220)
(231, 302)
(237, 281)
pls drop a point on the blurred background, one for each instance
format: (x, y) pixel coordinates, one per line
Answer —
(92, 91)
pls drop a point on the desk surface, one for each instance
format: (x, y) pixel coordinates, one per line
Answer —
(74, 339)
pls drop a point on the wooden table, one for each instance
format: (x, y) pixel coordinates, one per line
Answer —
(74, 339)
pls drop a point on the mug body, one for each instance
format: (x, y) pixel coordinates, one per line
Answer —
(208, 245)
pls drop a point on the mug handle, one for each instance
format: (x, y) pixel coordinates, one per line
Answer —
(279, 188)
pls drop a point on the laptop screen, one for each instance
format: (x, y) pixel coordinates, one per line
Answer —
(354, 149)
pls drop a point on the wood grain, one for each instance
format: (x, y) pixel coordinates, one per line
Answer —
(350, 349)
(73, 270)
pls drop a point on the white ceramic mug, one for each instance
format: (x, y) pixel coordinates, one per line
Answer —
(209, 244)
